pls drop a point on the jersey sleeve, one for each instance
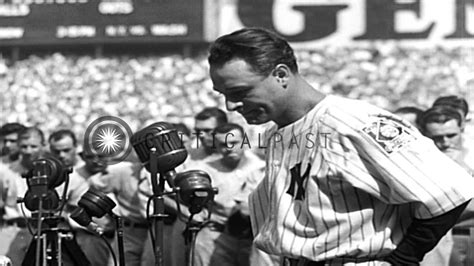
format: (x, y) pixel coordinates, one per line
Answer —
(388, 159)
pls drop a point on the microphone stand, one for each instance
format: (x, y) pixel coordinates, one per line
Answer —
(159, 206)
(192, 229)
(119, 225)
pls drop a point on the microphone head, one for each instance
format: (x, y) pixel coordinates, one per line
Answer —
(195, 189)
(80, 216)
(49, 167)
(96, 203)
(33, 197)
(43, 176)
(162, 138)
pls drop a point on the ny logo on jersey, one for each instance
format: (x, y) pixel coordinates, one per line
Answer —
(298, 179)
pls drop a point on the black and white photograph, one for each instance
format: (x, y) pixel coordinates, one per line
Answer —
(236, 132)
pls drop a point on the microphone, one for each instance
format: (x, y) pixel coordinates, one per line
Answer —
(44, 175)
(92, 204)
(161, 138)
(195, 189)
(80, 216)
(48, 171)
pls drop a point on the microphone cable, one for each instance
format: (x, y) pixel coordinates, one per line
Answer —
(114, 257)
(150, 229)
(64, 197)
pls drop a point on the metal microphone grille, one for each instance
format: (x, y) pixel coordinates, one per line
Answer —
(163, 138)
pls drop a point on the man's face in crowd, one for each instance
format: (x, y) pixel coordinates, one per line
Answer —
(31, 148)
(64, 150)
(94, 163)
(205, 130)
(447, 136)
(229, 145)
(258, 99)
(9, 144)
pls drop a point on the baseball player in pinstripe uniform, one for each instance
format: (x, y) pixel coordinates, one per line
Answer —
(346, 182)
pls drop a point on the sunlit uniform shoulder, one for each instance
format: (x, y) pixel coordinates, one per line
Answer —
(343, 183)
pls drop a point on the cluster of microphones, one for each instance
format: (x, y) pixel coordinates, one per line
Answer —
(160, 150)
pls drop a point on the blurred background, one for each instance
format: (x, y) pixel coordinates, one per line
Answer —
(64, 63)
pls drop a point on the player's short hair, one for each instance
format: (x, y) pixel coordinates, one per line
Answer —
(262, 49)
(10, 128)
(418, 112)
(439, 114)
(409, 110)
(454, 101)
(212, 112)
(61, 134)
(28, 132)
(227, 127)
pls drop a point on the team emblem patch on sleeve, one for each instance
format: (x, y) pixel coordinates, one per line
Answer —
(389, 134)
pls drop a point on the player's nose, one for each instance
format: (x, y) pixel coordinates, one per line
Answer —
(233, 105)
(443, 145)
(446, 141)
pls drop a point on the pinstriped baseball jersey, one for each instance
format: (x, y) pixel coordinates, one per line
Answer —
(343, 183)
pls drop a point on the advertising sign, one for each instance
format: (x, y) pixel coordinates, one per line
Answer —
(320, 22)
(26, 22)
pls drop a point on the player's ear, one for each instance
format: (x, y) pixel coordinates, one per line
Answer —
(281, 74)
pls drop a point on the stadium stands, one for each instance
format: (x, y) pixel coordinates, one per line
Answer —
(72, 90)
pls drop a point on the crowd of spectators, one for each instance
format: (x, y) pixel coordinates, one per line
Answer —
(70, 91)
